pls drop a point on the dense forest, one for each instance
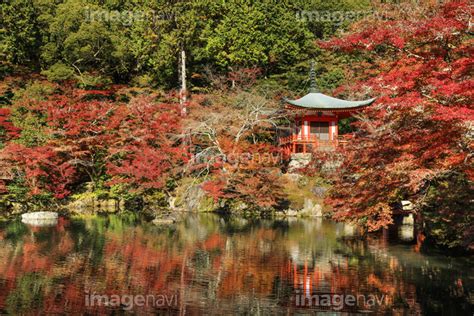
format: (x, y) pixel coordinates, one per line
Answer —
(89, 104)
(98, 42)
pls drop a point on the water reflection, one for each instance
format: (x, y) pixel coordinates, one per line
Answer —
(212, 264)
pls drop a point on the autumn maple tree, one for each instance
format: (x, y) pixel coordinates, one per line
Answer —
(40, 169)
(147, 150)
(247, 173)
(92, 139)
(417, 137)
(7, 132)
(232, 151)
(7, 129)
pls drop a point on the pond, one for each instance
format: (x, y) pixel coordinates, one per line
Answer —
(209, 264)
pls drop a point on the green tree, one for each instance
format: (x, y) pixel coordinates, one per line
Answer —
(20, 38)
(256, 34)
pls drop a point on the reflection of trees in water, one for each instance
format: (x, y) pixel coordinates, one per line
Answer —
(434, 284)
(227, 264)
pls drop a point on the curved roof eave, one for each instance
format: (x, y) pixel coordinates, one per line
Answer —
(325, 102)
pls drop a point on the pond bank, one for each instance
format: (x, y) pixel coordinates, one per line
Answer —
(305, 197)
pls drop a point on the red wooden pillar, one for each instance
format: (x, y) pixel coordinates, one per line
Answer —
(305, 277)
(303, 130)
(304, 148)
(295, 276)
(332, 132)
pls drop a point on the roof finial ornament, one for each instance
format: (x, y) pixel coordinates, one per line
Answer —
(313, 88)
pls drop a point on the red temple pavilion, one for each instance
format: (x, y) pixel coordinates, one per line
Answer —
(315, 120)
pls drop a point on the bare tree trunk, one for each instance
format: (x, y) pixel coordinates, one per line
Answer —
(183, 92)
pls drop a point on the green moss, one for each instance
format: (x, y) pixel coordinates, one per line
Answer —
(180, 190)
(157, 199)
(99, 193)
(189, 195)
(298, 191)
(207, 204)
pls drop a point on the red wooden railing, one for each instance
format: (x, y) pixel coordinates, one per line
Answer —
(314, 141)
(312, 138)
(298, 138)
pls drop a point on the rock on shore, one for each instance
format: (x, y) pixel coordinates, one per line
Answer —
(40, 218)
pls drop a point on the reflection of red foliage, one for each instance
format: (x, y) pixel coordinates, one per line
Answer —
(63, 223)
(215, 241)
(135, 261)
(149, 266)
(420, 238)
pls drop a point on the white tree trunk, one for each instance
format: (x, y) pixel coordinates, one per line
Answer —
(183, 92)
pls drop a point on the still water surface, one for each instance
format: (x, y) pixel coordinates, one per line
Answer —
(209, 264)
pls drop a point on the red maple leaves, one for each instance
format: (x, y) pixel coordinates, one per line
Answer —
(248, 173)
(418, 129)
(7, 129)
(99, 140)
(41, 168)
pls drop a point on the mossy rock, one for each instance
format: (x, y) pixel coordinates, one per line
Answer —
(90, 203)
(207, 204)
(303, 188)
(164, 221)
(192, 198)
(156, 198)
